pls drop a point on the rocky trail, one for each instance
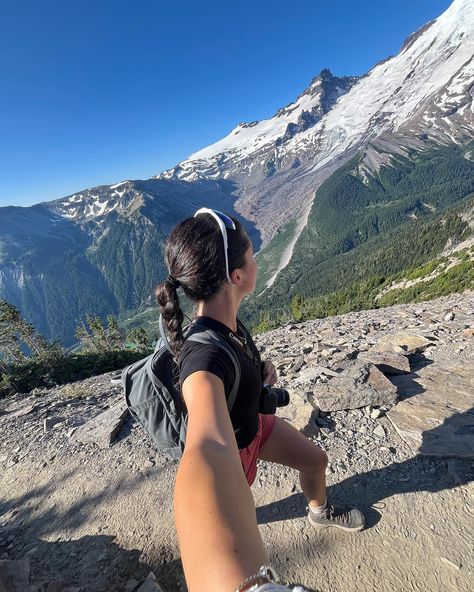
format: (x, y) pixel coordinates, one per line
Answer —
(86, 501)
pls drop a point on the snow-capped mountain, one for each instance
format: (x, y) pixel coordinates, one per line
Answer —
(422, 94)
(260, 138)
(100, 250)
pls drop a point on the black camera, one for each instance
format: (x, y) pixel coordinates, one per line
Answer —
(271, 398)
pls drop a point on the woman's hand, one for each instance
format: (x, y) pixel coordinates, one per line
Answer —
(269, 373)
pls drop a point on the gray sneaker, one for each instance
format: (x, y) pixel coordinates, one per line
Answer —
(344, 517)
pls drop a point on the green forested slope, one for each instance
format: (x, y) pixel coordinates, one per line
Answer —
(366, 231)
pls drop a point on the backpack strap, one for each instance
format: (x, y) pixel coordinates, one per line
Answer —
(208, 336)
(164, 338)
(200, 334)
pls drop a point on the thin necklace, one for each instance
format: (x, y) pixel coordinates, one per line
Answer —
(239, 339)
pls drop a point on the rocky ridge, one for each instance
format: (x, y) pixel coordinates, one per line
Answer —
(388, 393)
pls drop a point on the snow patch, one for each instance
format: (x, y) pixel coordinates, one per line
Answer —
(118, 185)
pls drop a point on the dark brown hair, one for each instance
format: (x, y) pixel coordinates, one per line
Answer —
(194, 255)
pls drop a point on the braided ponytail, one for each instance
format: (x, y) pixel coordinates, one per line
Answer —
(167, 298)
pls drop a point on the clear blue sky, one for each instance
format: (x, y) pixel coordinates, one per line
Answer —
(96, 91)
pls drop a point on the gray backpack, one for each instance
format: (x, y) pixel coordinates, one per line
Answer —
(152, 398)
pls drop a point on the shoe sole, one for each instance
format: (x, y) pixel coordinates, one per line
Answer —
(345, 528)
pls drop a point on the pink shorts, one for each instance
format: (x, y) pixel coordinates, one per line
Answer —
(249, 455)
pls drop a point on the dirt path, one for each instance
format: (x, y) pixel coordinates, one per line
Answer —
(99, 520)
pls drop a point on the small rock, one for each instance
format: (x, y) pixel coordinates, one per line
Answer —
(307, 375)
(379, 432)
(362, 385)
(328, 352)
(297, 364)
(450, 316)
(402, 342)
(102, 429)
(283, 363)
(50, 422)
(150, 584)
(376, 413)
(13, 461)
(328, 372)
(24, 411)
(387, 362)
(456, 565)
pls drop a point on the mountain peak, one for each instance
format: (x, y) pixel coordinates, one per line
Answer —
(325, 74)
(334, 115)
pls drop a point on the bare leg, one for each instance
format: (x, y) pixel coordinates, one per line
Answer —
(287, 446)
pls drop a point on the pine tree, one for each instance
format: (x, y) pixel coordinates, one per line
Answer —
(94, 336)
(138, 338)
(297, 307)
(10, 344)
(18, 337)
(114, 334)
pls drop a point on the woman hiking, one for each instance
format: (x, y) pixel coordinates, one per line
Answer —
(210, 256)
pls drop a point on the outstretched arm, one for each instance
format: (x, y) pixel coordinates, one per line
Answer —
(214, 508)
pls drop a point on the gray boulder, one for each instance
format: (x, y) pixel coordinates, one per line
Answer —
(402, 342)
(102, 430)
(387, 362)
(361, 385)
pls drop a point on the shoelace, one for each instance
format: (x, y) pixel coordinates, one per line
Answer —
(343, 517)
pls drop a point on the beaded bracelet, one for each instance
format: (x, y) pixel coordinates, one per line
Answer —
(265, 575)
